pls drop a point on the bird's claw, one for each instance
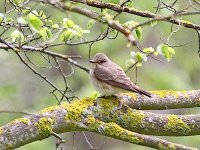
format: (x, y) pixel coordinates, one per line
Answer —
(117, 107)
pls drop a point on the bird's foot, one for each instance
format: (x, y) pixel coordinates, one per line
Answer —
(117, 107)
(106, 96)
(102, 96)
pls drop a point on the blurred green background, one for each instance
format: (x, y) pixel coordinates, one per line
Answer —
(20, 89)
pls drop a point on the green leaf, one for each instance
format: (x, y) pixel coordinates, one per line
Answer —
(1, 17)
(138, 32)
(26, 11)
(130, 24)
(133, 54)
(66, 35)
(67, 23)
(165, 50)
(90, 23)
(140, 57)
(35, 22)
(9, 20)
(171, 50)
(156, 53)
(86, 31)
(148, 50)
(139, 64)
(55, 26)
(17, 2)
(153, 23)
(42, 15)
(17, 35)
(130, 62)
(78, 30)
(45, 33)
(21, 20)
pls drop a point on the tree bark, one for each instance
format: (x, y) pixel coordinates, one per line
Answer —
(103, 116)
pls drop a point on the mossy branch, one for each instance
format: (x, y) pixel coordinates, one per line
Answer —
(101, 116)
(165, 99)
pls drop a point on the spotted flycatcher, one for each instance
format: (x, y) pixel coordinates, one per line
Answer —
(109, 79)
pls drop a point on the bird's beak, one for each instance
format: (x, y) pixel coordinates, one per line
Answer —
(91, 61)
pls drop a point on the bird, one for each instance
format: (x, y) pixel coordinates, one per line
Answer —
(109, 79)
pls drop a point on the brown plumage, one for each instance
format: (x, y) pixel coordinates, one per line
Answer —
(111, 77)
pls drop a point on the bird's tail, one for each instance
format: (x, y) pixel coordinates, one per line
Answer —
(140, 91)
(143, 92)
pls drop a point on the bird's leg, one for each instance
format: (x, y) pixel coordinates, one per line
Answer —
(119, 106)
(102, 96)
(107, 96)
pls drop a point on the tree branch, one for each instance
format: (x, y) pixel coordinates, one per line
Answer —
(102, 117)
(163, 100)
(93, 15)
(147, 14)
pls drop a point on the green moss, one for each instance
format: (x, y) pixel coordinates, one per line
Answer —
(45, 126)
(168, 147)
(76, 109)
(177, 125)
(133, 118)
(49, 109)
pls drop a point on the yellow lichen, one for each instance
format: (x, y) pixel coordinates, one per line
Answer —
(133, 118)
(24, 121)
(9, 146)
(177, 125)
(132, 95)
(185, 94)
(21, 120)
(75, 110)
(168, 147)
(108, 104)
(116, 131)
(186, 22)
(165, 93)
(45, 126)
(49, 109)
(93, 124)
(111, 129)
(1, 130)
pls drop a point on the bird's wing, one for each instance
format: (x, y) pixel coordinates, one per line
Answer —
(114, 76)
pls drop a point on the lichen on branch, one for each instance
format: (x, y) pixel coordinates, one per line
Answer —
(101, 116)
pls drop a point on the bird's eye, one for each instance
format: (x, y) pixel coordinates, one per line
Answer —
(102, 61)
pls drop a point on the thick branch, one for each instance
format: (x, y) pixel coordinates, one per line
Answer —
(163, 100)
(102, 117)
(78, 116)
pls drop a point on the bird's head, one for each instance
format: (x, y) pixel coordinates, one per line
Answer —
(100, 59)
